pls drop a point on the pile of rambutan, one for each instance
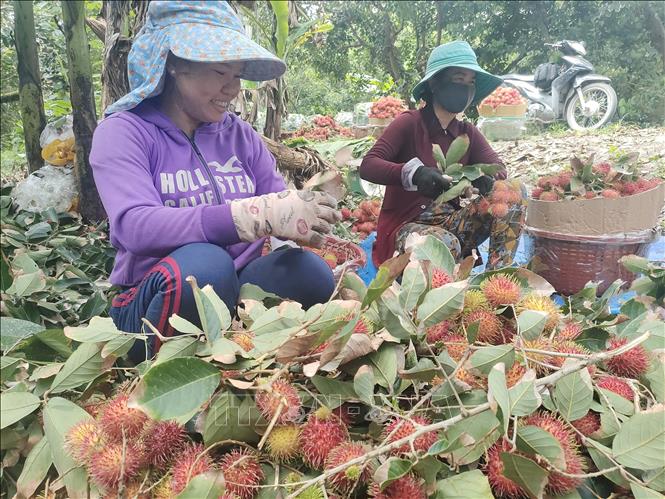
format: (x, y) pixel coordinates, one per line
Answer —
(602, 180)
(505, 194)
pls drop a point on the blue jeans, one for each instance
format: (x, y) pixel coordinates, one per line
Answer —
(292, 273)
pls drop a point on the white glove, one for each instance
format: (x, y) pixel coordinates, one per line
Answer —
(301, 216)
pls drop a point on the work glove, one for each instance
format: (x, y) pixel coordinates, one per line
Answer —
(301, 216)
(430, 182)
(484, 184)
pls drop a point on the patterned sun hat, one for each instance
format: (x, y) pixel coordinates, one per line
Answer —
(203, 31)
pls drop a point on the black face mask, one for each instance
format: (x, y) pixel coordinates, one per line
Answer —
(454, 97)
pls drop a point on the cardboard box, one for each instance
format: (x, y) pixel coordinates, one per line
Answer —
(598, 216)
(502, 111)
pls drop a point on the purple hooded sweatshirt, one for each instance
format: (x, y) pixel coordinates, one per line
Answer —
(162, 190)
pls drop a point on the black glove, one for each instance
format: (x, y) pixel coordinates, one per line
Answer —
(430, 182)
(484, 184)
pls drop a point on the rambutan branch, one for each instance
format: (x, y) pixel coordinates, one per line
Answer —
(441, 425)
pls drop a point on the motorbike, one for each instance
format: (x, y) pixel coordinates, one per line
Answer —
(570, 91)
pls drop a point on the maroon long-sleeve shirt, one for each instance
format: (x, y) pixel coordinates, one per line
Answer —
(409, 136)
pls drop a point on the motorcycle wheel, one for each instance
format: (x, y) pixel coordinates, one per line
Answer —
(600, 106)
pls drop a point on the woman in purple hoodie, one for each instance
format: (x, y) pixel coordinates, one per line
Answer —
(189, 188)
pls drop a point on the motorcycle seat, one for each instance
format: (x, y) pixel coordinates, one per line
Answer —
(517, 77)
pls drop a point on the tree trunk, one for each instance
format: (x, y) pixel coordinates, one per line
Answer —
(275, 110)
(115, 83)
(297, 164)
(9, 97)
(83, 105)
(29, 86)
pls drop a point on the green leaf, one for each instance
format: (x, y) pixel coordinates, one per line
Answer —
(393, 469)
(439, 157)
(384, 361)
(489, 169)
(16, 330)
(454, 192)
(485, 358)
(231, 417)
(466, 485)
(640, 442)
(424, 370)
(224, 350)
(525, 473)
(656, 377)
(603, 463)
(634, 263)
(208, 485)
(60, 416)
(530, 324)
(180, 347)
(183, 325)
(211, 321)
(220, 307)
(8, 366)
(335, 391)
(84, 365)
(25, 285)
(414, 284)
(99, 329)
(14, 406)
(434, 250)
(655, 479)
(524, 397)
(175, 388)
(618, 403)
(457, 149)
(641, 492)
(497, 393)
(281, 10)
(441, 303)
(363, 384)
(353, 282)
(35, 469)
(118, 347)
(385, 276)
(534, 440)
(483, 429)
(573, 395)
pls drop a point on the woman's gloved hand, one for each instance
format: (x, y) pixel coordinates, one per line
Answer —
(484, 184)
(301, 216)
(430, 181)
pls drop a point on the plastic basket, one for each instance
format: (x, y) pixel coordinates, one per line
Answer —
(568, 262)
(345, 251)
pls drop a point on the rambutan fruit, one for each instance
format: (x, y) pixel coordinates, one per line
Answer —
(536, 192)
(244, 339)
(616, 385)
(437, 333)
(589, 195)
(440, 278)
(569, 331)
(283, 442)
(163, 489)
(502, 486)
(602, 168)
(489, 328)
(569, 347)
(322, 432)
(630, 364)
(554, 425)
(515, 197)
(456, 345)
(475, 382)
(281, 393)
(508, 331)
(563, 179)
(500, 196)
(347, 480)
(114, 465)
(83, 440)
(347, 413)
(403, 428)
(588, 424)
(610, 193)
(501, 186)
(363, 326)
(515, 374)
(501, 289)
(630, 188)
(117, 419)
(499, 210)
(475, 300)
(190, 462)
(540, 303)
(545, 182)
(406, 487)
(163, 440)
(482, 206)
(242, 473)
(559, 484)
(538, 358)
(549, 196)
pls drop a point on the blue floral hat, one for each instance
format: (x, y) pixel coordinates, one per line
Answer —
(197, 31)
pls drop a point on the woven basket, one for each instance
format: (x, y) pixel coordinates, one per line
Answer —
(568, 262)
(345, 251)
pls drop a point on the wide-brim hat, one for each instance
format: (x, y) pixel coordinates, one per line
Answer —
(457, 54)
(201, 31)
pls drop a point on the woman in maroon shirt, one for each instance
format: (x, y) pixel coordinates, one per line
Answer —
(402, 160)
